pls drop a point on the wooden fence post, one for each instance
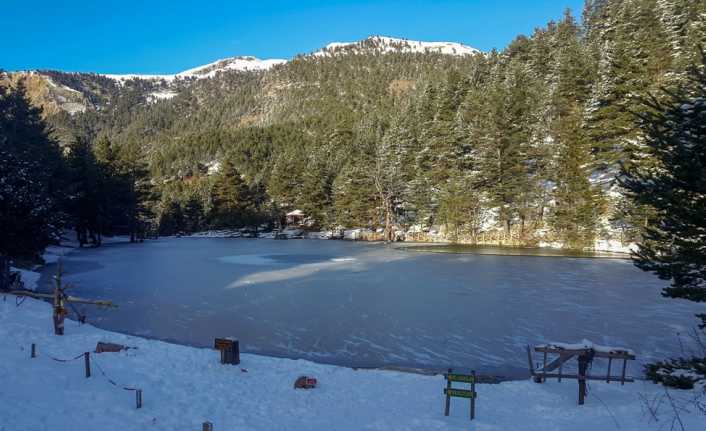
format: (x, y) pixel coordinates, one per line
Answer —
(583, 367)
(473, 399)
(34, 351)
(448, 397)
(138, 398)
(207, 426)
(87, 362)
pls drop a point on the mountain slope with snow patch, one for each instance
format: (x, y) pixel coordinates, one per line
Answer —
(384, 44)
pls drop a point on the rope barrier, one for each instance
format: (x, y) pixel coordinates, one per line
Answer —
(111, 381)
(65, 360)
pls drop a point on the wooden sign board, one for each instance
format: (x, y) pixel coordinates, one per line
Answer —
(223, 343)
(461, 393)
(465, 378)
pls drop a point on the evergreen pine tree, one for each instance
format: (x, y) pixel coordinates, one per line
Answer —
(30, 174)
(231, 198)
(674, 242)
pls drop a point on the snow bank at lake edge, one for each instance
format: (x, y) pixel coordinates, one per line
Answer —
(184, 386)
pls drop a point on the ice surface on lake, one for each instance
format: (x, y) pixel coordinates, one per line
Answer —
(364, 304)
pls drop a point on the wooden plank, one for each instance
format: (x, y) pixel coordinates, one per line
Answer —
(72, 299)
(575, 376)
(461, 393)
(465, 378)
(223, 343)
(557, 362)
(597, 354)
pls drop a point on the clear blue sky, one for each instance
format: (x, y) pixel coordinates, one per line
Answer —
(159, 36)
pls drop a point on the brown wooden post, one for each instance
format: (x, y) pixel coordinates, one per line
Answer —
(230, 350)
(583, 366)
(59, 310)
(529, 361)
(87, 362)
(544, 367)
(448, 397)
(34, 351)
(138, 398)
(610, 362)
(207, 426)
(622, 376)
(473, 399)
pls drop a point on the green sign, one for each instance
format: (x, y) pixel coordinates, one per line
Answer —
(461, 393)
(460, 378)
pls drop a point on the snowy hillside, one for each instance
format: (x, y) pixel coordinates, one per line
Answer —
(235, 63)
(385, 44)
(243, 64)
(380, 44)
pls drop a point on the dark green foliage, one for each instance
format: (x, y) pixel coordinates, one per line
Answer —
(391, 139)
(235, 204)
(86, 193)
(673, 183)
(30, 175)
(677, 373)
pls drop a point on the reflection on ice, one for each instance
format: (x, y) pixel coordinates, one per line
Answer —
(289, 273)
(249, 259)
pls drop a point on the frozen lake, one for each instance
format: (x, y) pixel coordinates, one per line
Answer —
(368, 305)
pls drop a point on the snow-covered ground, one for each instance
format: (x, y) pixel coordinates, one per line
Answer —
(184, 386)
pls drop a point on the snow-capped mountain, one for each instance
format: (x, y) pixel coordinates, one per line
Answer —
(381, 44)
(75, 92)
(385, 44)
(235, 63)
(243, 64)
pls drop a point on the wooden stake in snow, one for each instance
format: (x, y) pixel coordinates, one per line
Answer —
(230, 350)
(87, 362)
(138, 398)
(207, 426)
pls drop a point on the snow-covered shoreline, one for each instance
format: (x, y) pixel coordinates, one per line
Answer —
(185, 386)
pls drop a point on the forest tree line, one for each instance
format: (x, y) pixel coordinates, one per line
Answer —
(520, 146)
